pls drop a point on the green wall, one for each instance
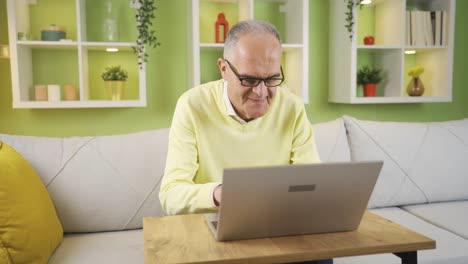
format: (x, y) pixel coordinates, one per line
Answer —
(167, 79)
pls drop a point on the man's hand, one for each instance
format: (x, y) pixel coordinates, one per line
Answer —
(217, 195)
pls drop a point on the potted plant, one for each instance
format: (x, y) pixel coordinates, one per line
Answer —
(369, 78)
(114, 78)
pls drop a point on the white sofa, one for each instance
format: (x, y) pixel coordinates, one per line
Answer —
(103, 186)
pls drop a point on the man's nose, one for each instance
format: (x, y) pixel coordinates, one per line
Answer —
(260, 90)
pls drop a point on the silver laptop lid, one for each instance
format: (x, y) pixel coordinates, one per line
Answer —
(285, 200)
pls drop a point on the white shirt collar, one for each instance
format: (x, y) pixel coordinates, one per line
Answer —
(229, 108)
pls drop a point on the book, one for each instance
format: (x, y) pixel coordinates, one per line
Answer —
(420, 21)
(439, 27)
(445, 28)
(409, 34)
(433, 26)
(427, 27)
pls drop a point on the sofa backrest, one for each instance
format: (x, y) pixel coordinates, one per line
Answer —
(107, 183)
(99, 183)
(423, 162)
(331, 140)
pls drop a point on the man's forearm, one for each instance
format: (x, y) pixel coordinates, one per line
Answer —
(186, 198)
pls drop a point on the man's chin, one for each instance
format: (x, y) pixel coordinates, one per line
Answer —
(257, 112)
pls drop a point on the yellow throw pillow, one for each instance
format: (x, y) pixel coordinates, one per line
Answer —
(29, 227)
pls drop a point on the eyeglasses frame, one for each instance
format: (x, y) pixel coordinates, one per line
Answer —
(241, 78)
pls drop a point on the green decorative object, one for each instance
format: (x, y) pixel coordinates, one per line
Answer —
(53, 33)
(146, 35)
(24, 36)
(110, 28)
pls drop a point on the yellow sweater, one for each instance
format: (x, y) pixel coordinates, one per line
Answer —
(204, 140)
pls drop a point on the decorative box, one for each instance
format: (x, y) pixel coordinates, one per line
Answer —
(53, 33)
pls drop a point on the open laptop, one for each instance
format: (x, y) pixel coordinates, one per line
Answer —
(271, 201)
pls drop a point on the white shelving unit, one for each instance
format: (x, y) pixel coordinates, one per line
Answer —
(33, 61)
(387, 20)
(291, 17)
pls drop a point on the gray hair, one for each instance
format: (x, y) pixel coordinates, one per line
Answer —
(248, 27)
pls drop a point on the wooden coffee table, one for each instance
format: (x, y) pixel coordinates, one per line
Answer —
(187, 239)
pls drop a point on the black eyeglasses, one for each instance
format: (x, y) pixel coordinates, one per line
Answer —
(252, 81)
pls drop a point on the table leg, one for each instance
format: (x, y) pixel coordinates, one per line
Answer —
(408, 257)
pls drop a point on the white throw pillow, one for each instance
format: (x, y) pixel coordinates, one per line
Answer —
(423, 162)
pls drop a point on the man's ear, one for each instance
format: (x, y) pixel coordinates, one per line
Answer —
(222, 68)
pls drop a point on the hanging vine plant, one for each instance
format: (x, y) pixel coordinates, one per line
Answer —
(146, 34)
(351, 4)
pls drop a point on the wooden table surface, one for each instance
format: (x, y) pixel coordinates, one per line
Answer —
(187, 239)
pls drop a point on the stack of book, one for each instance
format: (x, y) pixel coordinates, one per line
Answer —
(427, 28)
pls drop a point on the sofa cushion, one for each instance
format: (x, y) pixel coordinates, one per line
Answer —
(423, 162)
(121, 247)
(331, 140)
(450, 248)
(29, 227)
(102, 183)
(452, 216)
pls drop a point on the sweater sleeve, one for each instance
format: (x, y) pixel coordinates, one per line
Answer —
(179, 193)
(304, 149)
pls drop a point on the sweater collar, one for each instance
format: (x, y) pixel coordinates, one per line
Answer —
(229, 107)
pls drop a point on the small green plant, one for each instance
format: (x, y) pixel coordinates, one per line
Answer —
(369, 75)
(114, 73)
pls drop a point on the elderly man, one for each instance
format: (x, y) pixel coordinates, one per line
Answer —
(245, 119)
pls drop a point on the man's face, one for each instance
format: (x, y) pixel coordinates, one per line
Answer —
(255, 56)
